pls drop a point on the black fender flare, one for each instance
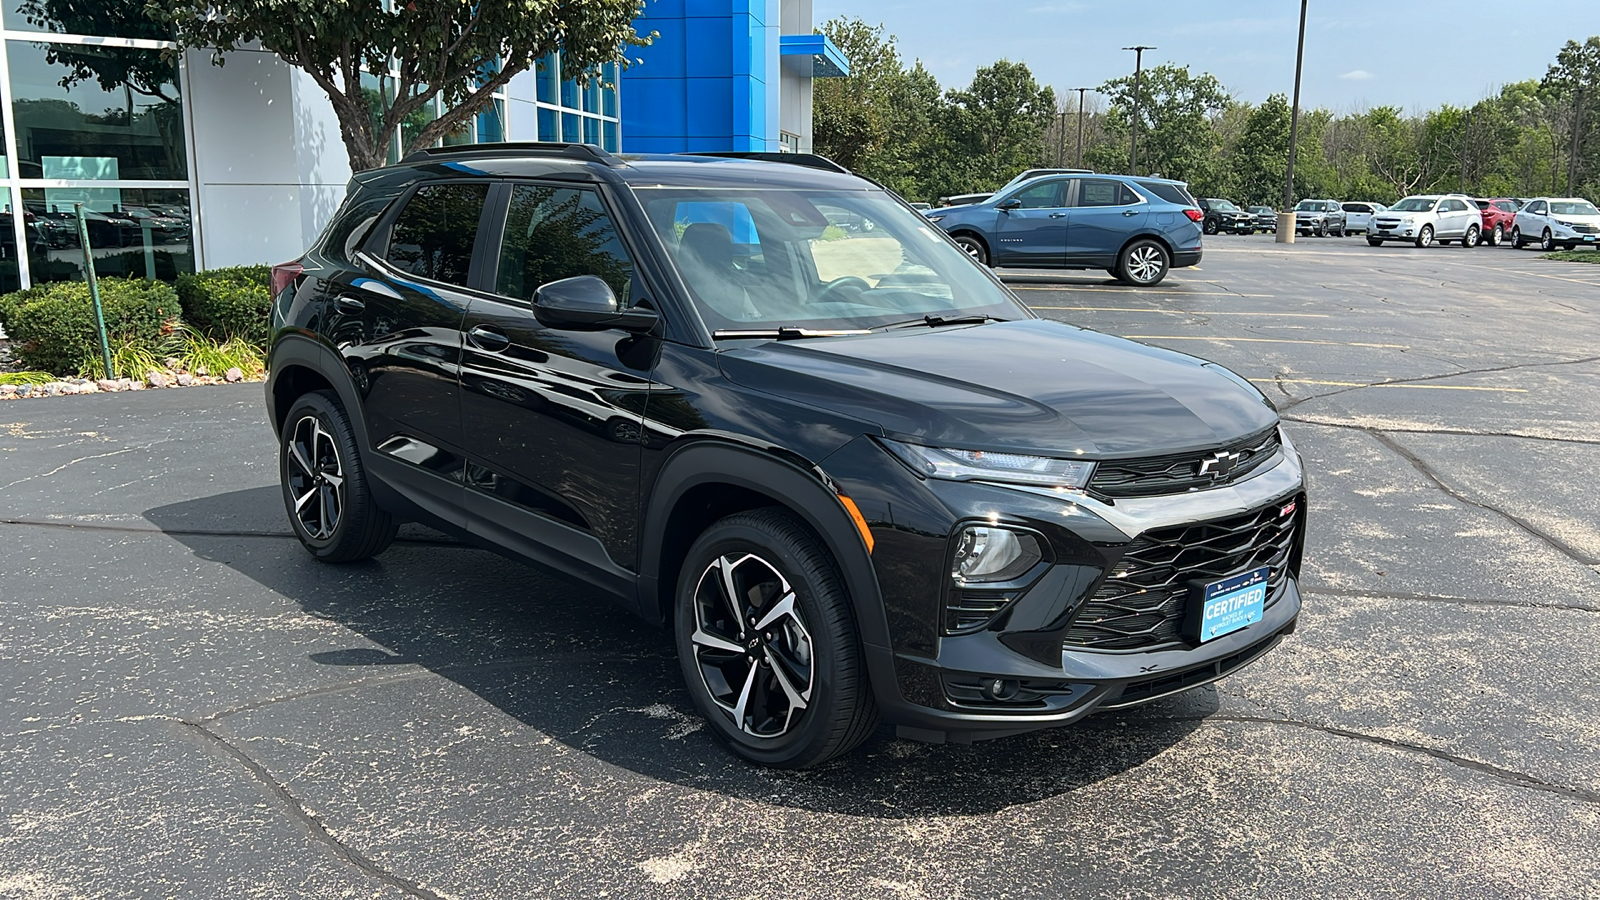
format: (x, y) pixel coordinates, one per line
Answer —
(802, 487)
(302, 351)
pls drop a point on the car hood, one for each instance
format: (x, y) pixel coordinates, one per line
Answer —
(1030, 385)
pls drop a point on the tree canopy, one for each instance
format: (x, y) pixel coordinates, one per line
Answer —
(451, 51)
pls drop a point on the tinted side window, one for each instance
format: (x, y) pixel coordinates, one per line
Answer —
(1099, 192)
(1506, 206)
(1355, 207)
(1042, 196)
(1536, 208)
(434, 234)
(1126, 196)
(554, 233)
(353, 223)
(1168, 192)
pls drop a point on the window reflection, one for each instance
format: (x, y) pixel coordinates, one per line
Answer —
(108, 18)
(87, 112)
(134, 232)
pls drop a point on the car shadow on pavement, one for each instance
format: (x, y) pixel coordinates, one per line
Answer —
(562, 659)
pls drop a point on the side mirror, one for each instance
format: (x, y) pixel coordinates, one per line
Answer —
(1011, 204)
(586, 303)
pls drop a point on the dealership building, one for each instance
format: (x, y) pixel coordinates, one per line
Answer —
(195, 166)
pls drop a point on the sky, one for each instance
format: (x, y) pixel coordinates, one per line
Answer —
(1415, 54)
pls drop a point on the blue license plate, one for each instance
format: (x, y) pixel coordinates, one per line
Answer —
(1231, 604)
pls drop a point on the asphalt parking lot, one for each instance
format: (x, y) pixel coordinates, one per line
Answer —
(195, 708)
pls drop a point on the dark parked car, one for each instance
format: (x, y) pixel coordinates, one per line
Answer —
(1266, 218)
(1319, 217)
(850, 471)
(1137, 229)
(1221, 216)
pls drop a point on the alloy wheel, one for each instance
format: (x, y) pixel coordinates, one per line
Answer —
(316, 478)
(1145, 263)
(751, 645)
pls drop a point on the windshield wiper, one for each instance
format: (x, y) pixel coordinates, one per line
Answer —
(782, 333)
(939, 321)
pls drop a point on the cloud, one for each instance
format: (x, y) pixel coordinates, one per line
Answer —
(1357, 75)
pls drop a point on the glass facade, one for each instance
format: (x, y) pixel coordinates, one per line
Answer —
(94, 114)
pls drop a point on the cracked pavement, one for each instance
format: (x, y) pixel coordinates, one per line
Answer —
(198, 709)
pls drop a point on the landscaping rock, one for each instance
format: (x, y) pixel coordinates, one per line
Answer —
(234, 375)
(172, 362)
(136, 386)
(53, 388)
(25, 390)
(106, 384)
(185, 379)
(70, 389)
(158, 379)
(88, 389)
(8, 390)
(124, 384)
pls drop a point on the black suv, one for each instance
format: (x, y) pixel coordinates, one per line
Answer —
(1221, 216)
(769, 406)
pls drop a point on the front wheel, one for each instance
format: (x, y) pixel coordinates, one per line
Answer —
(1374, 242)
(1546, 242)
(330, 505)
(1143, 263)
(1470, 239)
(767, 642)
(1209, 226)
(1425, 236)
(1517, 242)
(974, 248)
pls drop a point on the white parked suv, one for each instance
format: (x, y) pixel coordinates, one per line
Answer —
(1358, 216)
(1552, 222)
(1425, 218)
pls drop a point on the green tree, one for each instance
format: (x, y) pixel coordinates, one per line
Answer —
(995, 126)
(457, 52)
(1572, 85)
(1176, 133)
(1261, 158)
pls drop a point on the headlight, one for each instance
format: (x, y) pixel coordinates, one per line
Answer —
(1563, 224)
(984, 465)
(991, 553)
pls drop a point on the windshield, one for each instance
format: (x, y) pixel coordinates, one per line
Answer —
(1309, 206)
(818, 260)
(1413, 204)
(1573, 208)
(1223, 205)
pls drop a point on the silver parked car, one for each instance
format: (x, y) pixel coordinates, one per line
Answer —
(1552, 222)
(1319, 217)
(1424, 218)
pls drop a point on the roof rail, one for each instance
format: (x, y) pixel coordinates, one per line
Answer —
(809, 160)
(584, 152)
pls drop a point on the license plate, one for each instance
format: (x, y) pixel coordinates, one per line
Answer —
(1223, 607)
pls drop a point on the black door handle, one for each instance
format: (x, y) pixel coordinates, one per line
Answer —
(348, 304)
(487, 339)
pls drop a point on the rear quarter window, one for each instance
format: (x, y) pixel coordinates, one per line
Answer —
(353, 223)
(1171, 193)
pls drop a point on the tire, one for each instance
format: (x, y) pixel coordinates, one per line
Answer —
(1517, 243)
(1496, 237)
(1374, 242)
(1470, 239)
(974, 247)
(1143, 263)
(1322, 230)
(1569, 247)
(1546, 242)
(1340, 232)
(1209, 226)
(325, 490)
(1425, 236)
(746, 682)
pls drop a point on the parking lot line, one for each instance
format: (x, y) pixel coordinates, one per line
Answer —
(1245, 340)
(1130, 290)
(1273, 313)
(1389, 384)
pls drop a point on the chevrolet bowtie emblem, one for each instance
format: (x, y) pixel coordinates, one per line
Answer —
(1219, 465)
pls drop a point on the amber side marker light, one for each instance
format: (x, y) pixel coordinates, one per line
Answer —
(856, 517)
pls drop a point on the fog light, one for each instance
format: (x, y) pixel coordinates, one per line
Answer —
(1001, 688)
(987, 553)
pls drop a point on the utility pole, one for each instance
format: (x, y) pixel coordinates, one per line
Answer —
(1572, 156)
(1138, 66)
(1061, 137)
(1080, 123)
(1285, 233)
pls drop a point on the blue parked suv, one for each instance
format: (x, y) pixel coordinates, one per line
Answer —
(1135, 228)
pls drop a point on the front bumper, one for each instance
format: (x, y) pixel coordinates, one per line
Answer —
(931, 685)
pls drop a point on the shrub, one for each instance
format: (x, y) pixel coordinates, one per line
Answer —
(52, 325)
(228, 303)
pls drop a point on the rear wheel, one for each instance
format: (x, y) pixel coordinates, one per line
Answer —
(1143, 263)
(767, 642)
(1374, 242)
(1209, 227)
(1470, 239)
(325, 491)
(974, 247)
(1496, 236)
(1425, 236)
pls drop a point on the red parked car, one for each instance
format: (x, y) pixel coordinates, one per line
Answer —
(1497, 218)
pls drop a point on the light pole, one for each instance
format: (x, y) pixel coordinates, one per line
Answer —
(1285, 234)
(1138, 66)
(1080, 122)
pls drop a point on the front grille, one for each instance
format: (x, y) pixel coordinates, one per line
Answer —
(1181, 472)
(1586, 229)
(970, 610)
(1142, 602)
